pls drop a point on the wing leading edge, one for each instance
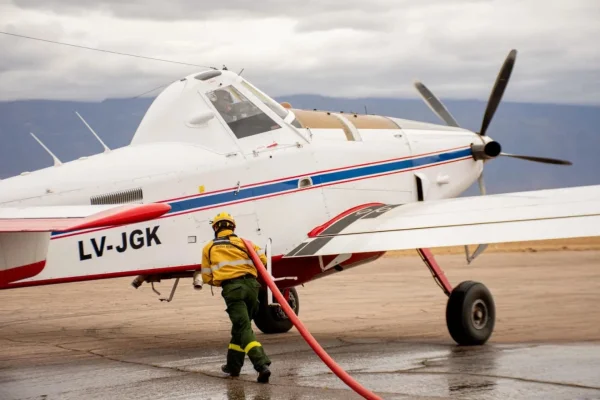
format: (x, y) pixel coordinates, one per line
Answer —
(68, 218)
(510, 217)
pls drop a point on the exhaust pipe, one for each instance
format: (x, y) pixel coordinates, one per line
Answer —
(198, 280)
(486, 151)
(137, 282)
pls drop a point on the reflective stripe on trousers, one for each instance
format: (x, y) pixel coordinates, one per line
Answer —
(250, 346)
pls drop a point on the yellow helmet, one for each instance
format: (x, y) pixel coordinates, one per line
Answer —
(223, 216)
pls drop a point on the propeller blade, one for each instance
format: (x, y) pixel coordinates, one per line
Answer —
(539, 159)
(480, 249)
(481, 184)
(498, 90)
(436, 106)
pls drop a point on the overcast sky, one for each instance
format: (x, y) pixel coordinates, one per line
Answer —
(350, 48)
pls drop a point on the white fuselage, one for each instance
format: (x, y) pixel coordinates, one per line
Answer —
(280, 192)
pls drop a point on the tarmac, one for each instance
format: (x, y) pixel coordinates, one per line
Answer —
(384, 323)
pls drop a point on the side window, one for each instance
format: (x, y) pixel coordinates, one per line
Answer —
(242, 116)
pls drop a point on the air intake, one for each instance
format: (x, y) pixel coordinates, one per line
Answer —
(121, 197)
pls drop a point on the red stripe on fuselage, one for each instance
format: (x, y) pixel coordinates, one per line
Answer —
(305, 269)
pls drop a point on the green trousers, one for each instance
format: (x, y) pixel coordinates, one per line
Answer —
(241, 297)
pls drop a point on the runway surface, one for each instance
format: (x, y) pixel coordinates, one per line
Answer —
(383, 322)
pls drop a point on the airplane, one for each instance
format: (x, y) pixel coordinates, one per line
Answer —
(321, 191)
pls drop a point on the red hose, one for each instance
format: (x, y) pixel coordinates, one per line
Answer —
(336, 369)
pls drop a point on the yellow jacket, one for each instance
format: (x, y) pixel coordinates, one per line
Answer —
(227, 258)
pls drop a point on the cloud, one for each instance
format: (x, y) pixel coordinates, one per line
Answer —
(339, 48)
(194, 10)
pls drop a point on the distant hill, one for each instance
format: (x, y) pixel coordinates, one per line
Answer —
(561, 131)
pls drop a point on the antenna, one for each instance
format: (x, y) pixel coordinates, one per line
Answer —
(240, 73)
(366, 112)
(106, 149)
(57, 162)
(102, 50)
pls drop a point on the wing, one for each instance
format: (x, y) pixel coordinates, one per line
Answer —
(25, 232)
(511, 217)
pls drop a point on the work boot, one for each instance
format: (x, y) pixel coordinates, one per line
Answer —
(225, 368)
(263, 374)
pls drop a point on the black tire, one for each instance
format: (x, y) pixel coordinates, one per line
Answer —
(271, 319)
(470, 314)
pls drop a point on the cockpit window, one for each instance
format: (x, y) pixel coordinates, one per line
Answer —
(272, 104)
(242, 116)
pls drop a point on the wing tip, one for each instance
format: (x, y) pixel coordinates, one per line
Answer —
(124, 215)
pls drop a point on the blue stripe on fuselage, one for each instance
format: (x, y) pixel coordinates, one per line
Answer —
(395, 166)
(243, 194)
(317, 179)
(323, 178)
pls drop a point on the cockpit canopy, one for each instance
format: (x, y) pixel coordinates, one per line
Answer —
(220, 111)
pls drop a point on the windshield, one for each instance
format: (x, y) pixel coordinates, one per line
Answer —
(272, 104)
(242, 116)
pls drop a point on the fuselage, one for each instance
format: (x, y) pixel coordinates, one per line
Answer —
(279, 185)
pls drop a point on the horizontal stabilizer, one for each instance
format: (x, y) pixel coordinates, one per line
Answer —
(25, 232)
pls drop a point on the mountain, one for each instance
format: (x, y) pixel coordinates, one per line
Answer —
(552, 130)
(57, 125)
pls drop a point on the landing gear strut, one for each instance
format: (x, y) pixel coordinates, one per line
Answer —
(470, 311)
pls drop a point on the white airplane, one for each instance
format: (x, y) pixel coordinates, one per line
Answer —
(332, 190)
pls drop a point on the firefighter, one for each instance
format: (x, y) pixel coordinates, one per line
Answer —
(227, 263)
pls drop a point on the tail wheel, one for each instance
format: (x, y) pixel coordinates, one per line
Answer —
(470, 314)
(272, 319)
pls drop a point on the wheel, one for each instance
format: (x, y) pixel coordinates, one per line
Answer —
(470, 314)
(270, 319)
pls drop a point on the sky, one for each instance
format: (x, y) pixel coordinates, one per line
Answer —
(349, 48)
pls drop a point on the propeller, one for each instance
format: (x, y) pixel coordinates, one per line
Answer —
(488, 149)
(493, 102)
